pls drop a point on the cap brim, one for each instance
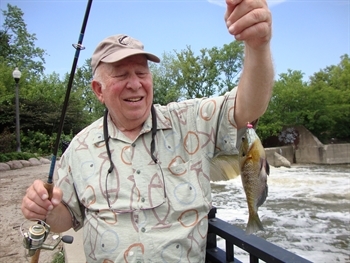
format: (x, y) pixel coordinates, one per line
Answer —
(121, 54)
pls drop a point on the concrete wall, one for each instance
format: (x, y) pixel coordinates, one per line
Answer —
(326, 154)
(310, 150)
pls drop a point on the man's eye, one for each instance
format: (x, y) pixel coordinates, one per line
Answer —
(120, 75)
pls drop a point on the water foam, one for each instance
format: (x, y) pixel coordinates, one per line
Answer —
(307, 211)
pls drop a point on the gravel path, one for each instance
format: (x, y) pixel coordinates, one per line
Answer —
(13, 184)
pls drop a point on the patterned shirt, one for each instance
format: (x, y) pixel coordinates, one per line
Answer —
(158, 211)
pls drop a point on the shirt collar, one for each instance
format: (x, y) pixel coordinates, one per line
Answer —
(163, 123)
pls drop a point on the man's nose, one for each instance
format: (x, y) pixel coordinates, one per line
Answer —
(134, 82)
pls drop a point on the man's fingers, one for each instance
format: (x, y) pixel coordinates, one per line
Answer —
(257, 23)
(56, 196)
(231, 5)
(249, 21)
(252, 10)
(34, 207)
(36, 203)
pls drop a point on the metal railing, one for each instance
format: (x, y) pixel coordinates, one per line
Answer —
(257, 247)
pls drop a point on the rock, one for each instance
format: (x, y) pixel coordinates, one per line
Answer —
(15, 164)
(4, 167)
(280, 161)
(34, 161)
(44, 160)
(25, 163)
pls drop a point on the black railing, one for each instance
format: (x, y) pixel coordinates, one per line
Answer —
(257, 247)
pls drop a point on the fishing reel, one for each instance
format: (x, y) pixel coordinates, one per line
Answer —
(35, 236)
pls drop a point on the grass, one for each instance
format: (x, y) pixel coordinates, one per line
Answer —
(58, 257)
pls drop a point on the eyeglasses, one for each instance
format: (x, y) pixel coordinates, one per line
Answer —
(121, 211)
(106, 138)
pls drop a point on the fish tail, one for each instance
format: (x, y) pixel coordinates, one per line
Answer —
(254, 224)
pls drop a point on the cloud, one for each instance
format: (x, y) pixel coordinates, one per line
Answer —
(271, 3)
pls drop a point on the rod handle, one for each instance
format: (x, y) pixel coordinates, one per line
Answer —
(35, 257)
(49, 188)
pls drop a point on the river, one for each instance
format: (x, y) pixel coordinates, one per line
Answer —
(306, 212)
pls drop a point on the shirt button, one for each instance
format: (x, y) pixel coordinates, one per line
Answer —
(133, 144)
(143, 199)
(143, 230)
(138, 171)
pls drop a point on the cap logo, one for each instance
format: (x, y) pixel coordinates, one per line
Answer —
(120, 40)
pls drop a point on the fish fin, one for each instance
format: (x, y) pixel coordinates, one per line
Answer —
(263, 196)
(264, 172)
(264, 165)
(267, 167)
(254, 224)
(224, 167)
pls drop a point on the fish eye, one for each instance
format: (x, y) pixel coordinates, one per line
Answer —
(243, 138)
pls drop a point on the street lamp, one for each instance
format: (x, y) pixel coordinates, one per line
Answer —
(16, 74)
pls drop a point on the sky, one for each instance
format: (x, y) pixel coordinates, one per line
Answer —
(308, 35)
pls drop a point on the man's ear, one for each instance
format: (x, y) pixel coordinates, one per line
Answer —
(97, 89)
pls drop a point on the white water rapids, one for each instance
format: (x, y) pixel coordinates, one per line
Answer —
(307, 211)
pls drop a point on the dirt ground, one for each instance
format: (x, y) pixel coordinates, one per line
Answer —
(13, 185)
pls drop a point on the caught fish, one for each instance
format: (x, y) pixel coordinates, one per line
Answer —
(254, 171)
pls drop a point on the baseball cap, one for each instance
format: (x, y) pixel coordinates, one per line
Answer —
(117, 47)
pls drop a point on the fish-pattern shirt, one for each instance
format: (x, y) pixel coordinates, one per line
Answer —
(158, 212)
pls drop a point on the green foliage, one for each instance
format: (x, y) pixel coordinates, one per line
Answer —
(7, 141)
(187, 75)
(164, 88)
(18, 45)
(42, 143)
(197, 76)
(58, 257)
(6, 157)
(322, 105)
(230, 64)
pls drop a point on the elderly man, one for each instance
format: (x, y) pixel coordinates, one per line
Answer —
(137, 180)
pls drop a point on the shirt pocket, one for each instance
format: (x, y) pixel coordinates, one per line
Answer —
(187, 184)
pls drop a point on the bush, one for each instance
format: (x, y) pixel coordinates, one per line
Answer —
(34, 142)
(41, 143)
(6, 157)
(7, 141)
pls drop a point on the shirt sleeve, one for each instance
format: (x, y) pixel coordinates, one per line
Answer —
(216, 116)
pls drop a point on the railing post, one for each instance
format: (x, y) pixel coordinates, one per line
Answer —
(211, 238)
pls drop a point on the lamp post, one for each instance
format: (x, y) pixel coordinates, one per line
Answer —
(17, 75)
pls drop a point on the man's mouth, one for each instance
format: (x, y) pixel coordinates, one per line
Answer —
(134, 99)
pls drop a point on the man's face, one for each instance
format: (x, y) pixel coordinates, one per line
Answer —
(127, 91)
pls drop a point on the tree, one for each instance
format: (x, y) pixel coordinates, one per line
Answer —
(322, 105)
(330, 88)
(82, 88)
(164, 88)
(18, 45)
(196, 76)
(214, 71)
(230, 63)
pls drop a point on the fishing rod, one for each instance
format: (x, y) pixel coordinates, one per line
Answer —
(77, 47)
(35, 237)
